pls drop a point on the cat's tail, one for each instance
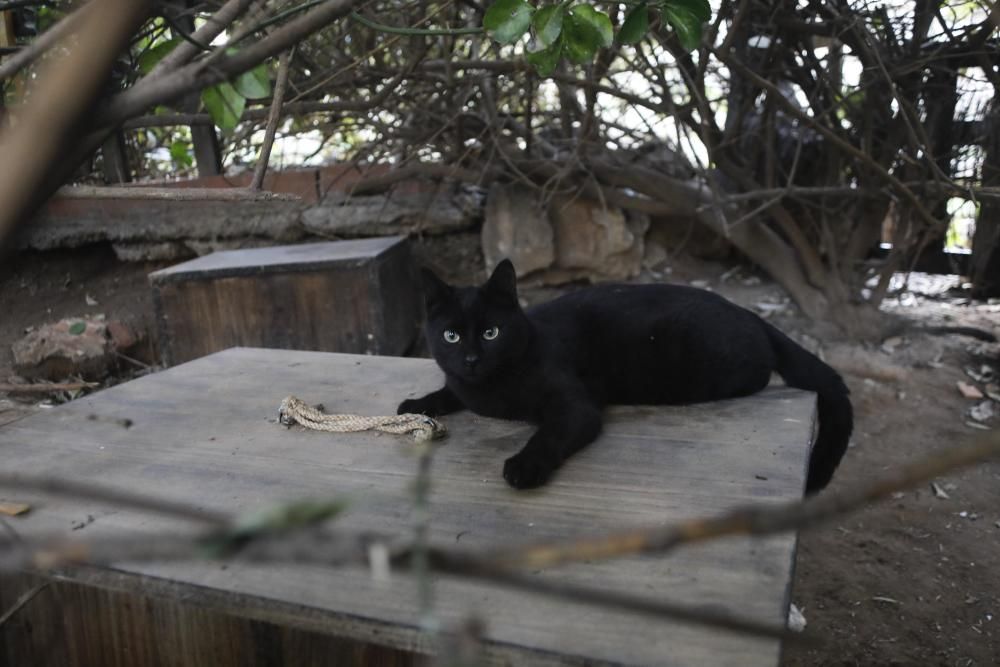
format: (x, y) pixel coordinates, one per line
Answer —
(803, 370)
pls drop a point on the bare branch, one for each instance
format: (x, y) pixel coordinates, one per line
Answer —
(66, 89)
(755, 520)
(272, 121)
(60, 487)
(312, 544)
(149, 92)
(212, 28)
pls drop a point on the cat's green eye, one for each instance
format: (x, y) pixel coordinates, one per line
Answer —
(491, 333)
(451, 337)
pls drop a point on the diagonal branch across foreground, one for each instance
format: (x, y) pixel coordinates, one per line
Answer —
(322, 545)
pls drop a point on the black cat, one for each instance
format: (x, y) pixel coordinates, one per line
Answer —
(559, 363)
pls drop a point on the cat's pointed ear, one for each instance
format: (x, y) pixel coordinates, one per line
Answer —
(503, 282)
(436, 291)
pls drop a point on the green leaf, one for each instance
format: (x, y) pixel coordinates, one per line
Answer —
(508, 20)
(48, 17)
(700, 8)
(270, 521)
(224, 104)
(293, 515)
(686, 24)
(180, 152)
(151, 56)
(635, 26)
(545, 60)
(580, 39)
(547, 23)
(77, 328)
(254, 84)
(598, 21)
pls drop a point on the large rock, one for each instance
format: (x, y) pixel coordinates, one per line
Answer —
(517, 228)
(595, 241)
(570, 239)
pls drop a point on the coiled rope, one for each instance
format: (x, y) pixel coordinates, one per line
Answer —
(295, 411)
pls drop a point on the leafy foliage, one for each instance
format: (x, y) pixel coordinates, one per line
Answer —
(508, 20)
(153, 55)
(225, 104)
(577, 30)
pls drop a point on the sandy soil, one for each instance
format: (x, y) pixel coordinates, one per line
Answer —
(913, 581)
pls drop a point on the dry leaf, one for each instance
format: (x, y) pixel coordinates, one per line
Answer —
(13, 509)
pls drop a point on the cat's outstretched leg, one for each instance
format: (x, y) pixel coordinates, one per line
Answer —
(565, 430)
(434, 404)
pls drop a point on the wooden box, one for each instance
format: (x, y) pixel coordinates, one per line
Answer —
(204, 434)
(343, 296)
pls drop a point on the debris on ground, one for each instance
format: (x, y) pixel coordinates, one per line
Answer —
(87, 347)
(982, 412)
(984, 374)
(968, 390)
(886, 600)
(939, 492)
(796, 619)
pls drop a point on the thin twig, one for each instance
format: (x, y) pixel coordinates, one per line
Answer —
(756, 520)
(311, 545)
(25, 598)
(124, 499)
(420, 560)
(272, 121)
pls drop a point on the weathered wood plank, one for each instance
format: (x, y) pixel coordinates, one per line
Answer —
(204, 431)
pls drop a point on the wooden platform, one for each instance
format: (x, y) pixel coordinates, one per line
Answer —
(205, 432)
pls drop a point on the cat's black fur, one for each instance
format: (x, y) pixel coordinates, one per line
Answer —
(559, 363)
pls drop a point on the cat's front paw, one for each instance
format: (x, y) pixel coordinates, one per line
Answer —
(526, 471)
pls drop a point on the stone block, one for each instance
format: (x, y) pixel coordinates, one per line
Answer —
(517, 228)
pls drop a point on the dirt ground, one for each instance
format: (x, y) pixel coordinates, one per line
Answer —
(913, 581)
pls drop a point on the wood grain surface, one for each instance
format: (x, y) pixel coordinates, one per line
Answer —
(205, 432)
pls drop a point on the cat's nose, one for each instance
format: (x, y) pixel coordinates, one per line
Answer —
(471, 359)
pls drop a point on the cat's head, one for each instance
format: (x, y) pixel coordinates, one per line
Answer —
(475, 331)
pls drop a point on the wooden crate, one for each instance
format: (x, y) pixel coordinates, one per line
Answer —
(342, 296)
(204, 433)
